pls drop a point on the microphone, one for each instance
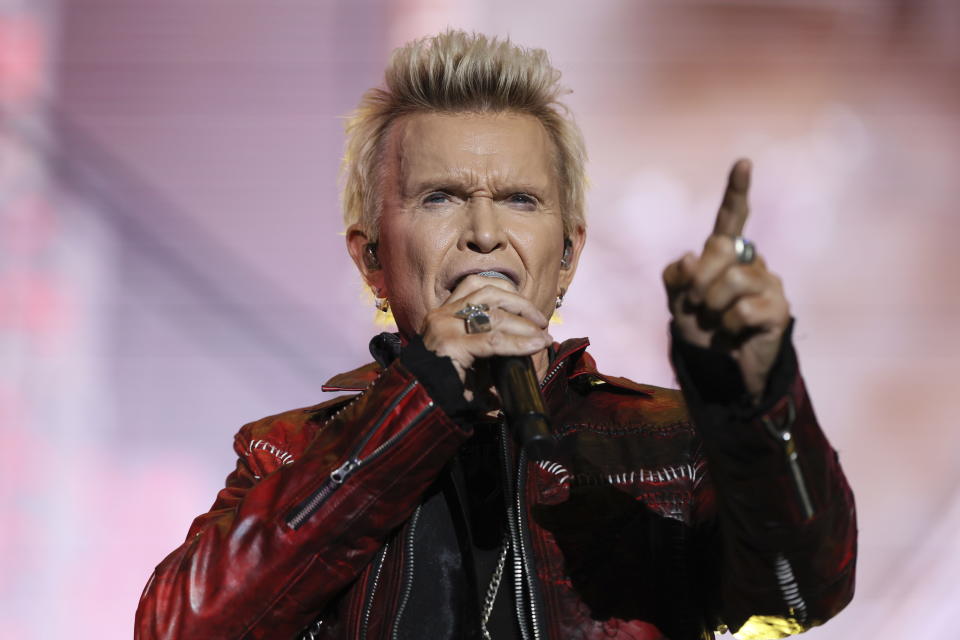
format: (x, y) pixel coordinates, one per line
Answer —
(516, 384)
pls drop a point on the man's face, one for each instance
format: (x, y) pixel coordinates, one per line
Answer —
(465, 193)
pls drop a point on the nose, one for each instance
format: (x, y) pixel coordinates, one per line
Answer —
(482, 231)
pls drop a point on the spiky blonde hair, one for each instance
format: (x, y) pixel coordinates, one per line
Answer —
(451, 72)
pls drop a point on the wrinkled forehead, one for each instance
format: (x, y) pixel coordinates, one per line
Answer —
(508, 148)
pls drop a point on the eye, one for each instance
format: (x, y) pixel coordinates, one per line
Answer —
(437, 197)
(523, 199)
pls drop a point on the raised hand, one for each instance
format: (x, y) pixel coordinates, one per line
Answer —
(720, 302)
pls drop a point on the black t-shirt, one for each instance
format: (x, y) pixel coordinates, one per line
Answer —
(483, 477)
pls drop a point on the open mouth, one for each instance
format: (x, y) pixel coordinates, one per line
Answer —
(495, 274)
(489, 273)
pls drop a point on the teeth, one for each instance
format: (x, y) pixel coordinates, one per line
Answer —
(495, 274)
(486, 274)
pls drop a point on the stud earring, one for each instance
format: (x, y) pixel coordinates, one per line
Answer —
(560, 299)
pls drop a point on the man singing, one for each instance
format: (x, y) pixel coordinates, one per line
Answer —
(407, 509)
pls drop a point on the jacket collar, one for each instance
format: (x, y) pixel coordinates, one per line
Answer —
(571, 357)
(385, 348)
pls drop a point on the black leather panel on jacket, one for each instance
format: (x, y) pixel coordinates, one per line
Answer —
(438, 592)
(456, 541)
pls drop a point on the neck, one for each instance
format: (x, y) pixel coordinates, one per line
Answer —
(541, 363)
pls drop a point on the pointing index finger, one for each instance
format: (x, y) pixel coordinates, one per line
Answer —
(734, 208)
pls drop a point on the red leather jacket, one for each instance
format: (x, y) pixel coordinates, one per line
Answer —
(643, 527)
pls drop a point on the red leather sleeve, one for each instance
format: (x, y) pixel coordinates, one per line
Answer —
(784, 529)
(272, 551)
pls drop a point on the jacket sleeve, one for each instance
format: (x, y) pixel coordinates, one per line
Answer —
(272, 552)
(774, 505)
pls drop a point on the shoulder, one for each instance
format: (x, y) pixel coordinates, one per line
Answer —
(611, 430)
(279, 439)
(619, 403)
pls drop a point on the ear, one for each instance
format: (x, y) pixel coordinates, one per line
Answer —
(573, 247)
(359, 246)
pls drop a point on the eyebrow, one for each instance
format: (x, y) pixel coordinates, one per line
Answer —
(457, 183)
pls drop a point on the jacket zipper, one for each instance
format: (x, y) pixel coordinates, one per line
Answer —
(518, 598)
(524, 543)
(308, 507)
(525, 552)
(368, 607)
(408, 579)
(521, 562)
(789, 588)
(547, 378)
(784, 435)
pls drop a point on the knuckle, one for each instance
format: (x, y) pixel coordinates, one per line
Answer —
(701, 277)
(495, 339)
(732, 320)
(719, 244)
(745, 308)
(667, 274)
(736, 275)
(773, 296)
(670, 280)
(713, 295)
(699, 286)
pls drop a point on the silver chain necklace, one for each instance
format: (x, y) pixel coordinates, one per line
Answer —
(493, 588)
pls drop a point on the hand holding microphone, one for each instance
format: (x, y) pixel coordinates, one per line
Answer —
(484, 318)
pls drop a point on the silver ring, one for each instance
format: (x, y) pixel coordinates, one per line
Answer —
(475, 318)
(745, 250)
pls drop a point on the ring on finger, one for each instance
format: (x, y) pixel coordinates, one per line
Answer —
(475, 318)
(744, 250)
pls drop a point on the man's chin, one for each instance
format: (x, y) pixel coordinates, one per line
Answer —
(408, 324)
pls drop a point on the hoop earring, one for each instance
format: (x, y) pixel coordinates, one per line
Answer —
(381, 303)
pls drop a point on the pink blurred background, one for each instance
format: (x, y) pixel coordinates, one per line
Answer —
(170, 264)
